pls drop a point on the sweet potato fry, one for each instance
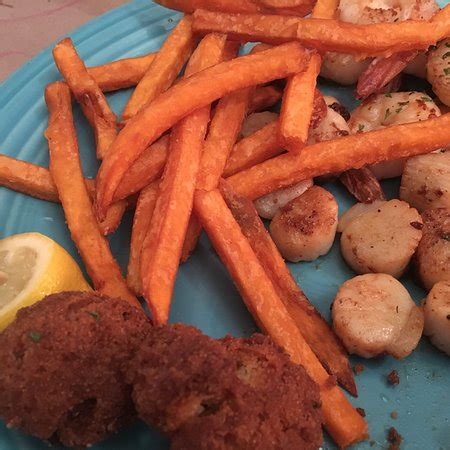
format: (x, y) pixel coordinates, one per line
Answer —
(141, 223)
(161, 252)
(325, 9)
(298, 105)
(185, 97)
(301, 8)
(150, 164)
(254, 149)
(264, 98)
(28, 178)
(65, 168)
(342, 421)
(362, 184)
(223, 132)
(339, 155)
(121, 74)
(164, 69)
(310, 323)
(36, 181)
(88, 94)
(146, 169)
(380, 39)
(381, 71)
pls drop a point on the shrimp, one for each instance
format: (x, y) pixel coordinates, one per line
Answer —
(373, 75)
(361, 183)
(383, 110)
(438, 70)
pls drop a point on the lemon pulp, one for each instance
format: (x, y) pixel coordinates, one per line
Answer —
(31, 267)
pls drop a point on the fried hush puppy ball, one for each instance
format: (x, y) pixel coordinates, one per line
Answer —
(228, 394)
(61, 367)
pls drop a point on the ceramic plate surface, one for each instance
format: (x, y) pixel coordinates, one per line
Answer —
(204, 294)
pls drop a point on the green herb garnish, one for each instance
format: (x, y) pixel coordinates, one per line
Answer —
(403, 103)
(387, 114)
(360, 127)
(426, 99)
(446, 236)
(447, 71)
(35, 336)
(446, 55)
(388, 95)
(94, 314)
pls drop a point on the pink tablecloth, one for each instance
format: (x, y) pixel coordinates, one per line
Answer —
(27, 26)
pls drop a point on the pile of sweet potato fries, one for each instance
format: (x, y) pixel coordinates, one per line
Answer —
(175, 158)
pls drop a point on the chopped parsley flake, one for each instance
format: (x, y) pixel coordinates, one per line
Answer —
(360, 127)
(35, 336)
(387, 114)
(94, 314)
(388, 95)
(403, 103)
(426, 99)
(447, 71)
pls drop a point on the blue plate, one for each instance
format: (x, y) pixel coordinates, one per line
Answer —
(204, 293)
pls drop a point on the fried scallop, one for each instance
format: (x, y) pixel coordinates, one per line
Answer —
(62, 364)
(229, 394)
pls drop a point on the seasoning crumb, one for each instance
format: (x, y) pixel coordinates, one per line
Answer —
(394, 438)
(361, 412)
(394, 414)
(393, 378)
(35, 336)
(94, 314)
(358, 368)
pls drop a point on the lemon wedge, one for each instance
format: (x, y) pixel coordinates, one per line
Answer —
(31, 267)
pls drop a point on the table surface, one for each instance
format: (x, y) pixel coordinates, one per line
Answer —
(28, 26)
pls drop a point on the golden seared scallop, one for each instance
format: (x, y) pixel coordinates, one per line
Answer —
(433, 253)
(304, 229)
(436, 308)
(268, 205)
(374, 314)
(382, 240)
(426, 181)
(358, 209)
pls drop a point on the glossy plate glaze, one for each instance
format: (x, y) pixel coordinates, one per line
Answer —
(204, 294)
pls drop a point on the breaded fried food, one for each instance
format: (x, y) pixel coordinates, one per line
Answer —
(61, 367)
(278, 407)
(224, 395)
(180, 374)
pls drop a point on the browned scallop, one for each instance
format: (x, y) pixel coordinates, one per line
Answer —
(268, 205)
(437, 316)
(383, 239)
(426, 181)
(433, 253)
(256, 121)
(305, 228)
(374, 314)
